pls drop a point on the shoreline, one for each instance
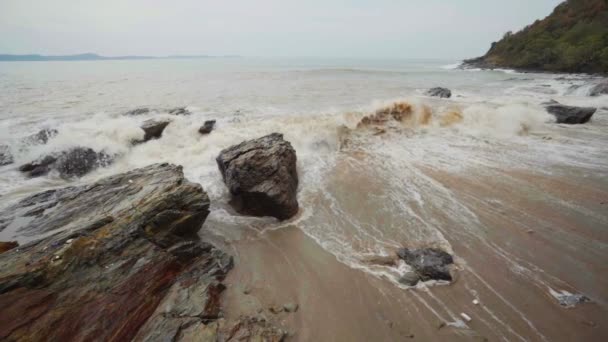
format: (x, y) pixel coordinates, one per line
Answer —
(478, 63)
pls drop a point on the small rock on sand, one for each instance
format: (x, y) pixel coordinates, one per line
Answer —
(409, 279)
(291, 307)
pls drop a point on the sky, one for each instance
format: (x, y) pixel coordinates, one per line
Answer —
(442, 29)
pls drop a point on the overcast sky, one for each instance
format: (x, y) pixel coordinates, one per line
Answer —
(320, 28)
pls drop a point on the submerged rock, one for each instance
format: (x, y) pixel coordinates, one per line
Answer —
(38, 167)
(428, 263)
(569, 114)
(138, 111)
(7, 246)
(153, 129)
(439, 92)
(6, 157)
(42, 137)
(123, 262)
(207, 127)
(179, 111)
(75, 162)
(599, 89)
(261, 176)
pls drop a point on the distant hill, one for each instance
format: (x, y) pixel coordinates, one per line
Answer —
(574, 38)
(86, 57)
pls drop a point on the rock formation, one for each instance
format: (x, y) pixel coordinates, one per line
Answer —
(119, 260)
(261, 176)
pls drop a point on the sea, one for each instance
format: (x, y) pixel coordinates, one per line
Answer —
(476, 187)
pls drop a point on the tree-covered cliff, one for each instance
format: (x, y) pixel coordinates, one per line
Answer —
(574, 38)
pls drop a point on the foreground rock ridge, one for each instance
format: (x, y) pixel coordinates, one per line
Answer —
(118, 260)
(261, 176)
(571, 39)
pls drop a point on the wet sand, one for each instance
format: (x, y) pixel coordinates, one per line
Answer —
(534, 233)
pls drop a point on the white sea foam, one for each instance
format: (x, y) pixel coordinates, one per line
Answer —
(451, 66)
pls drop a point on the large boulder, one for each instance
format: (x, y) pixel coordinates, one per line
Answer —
(427, 264)
(153, 129)
(75, 162)
(207, 127)
(261, 176)
(599, 89)
(119, 260)
(120, 245)
(569, 114)
(439, 92)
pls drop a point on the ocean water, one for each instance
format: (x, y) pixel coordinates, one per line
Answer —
(370, 198)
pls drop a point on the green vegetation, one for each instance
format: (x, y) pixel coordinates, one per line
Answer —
(574, 38)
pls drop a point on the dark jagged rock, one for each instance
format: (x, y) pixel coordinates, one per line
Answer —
(599, 89)
(261, 176)
(138, 111)
(38, 167)
(439, 92)
(179, 111)
(428, 263)
(569, 114)
(6, 157)
(207, 127)
(7, 246)
(75, 162)
(153, 129)
(42, 137)
(122, 262)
